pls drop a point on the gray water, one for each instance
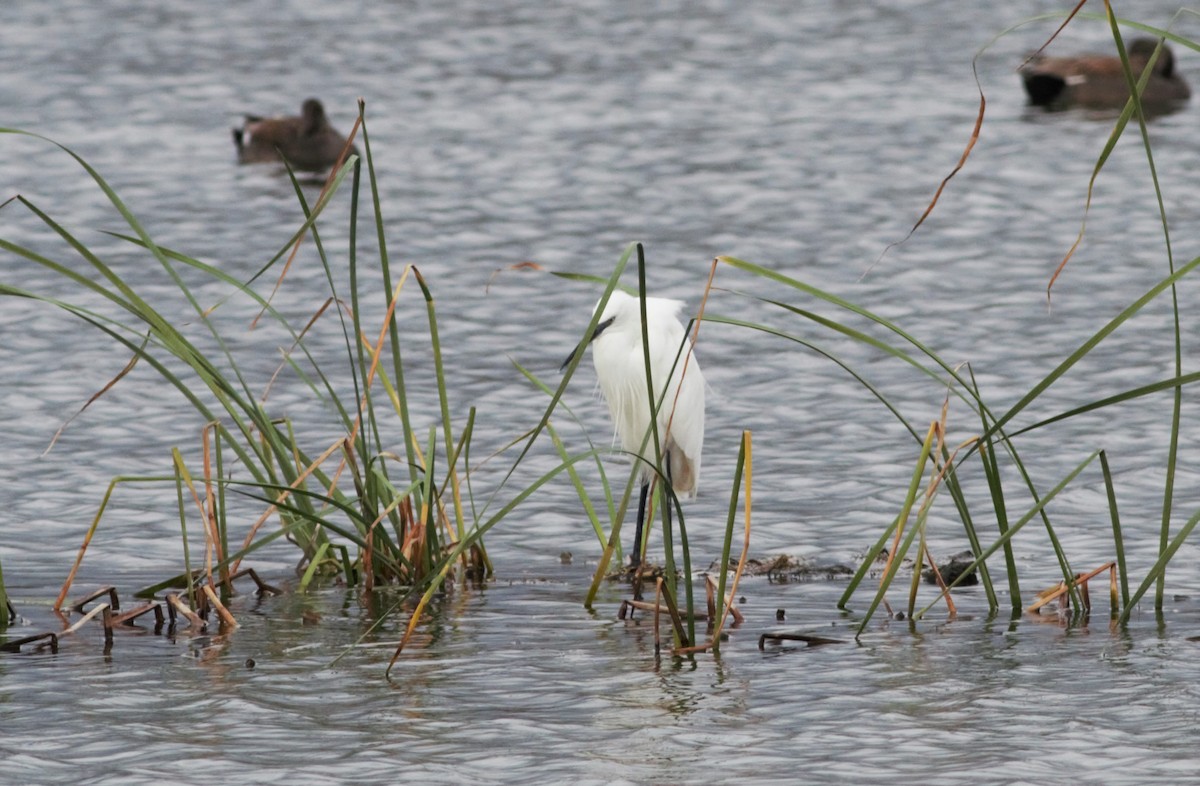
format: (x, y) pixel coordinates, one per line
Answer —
(804, 137)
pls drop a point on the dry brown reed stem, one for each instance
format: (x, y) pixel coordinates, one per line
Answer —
(487, 288)
(96, 611)
(887, 568)
(1053, 36)
(672, 610)
(658, 588)
(262, 587)
(66, 587)
(108, 590)
(210, 535)
(368, 557)
(810, 640)
(114, 601)
(107, 387)
(1062, 589)
(962, 160)
(226, 617)
(937, 575)
(731, 608)
(1112, 589)
(106, 621)
(324, 190)
(687, 357)
(1087, 206)
(210, 508)
(656, 608)
(132, 614)
(442, 515)
(177, 603)
(15, 645)
(377, 350)
(83, 547)
(408, 523)
(292, 487)
(300, 337)
(936, 438)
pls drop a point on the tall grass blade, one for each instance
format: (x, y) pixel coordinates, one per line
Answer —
(1159, 567)
(1014, 529)
(744, 468)
(1118, 538)
(896, 555)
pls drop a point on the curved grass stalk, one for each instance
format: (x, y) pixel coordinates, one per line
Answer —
(440, 375)
(743, 469)
(1014, 529)
(266, 448)
(592, 449)
(896, 555)
(1118, 539)
(1156, 572)
(1134, 105)
(577, 483)
(91, 531)
(993, 424)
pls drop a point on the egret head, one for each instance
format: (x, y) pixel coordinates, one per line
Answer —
(617, 310)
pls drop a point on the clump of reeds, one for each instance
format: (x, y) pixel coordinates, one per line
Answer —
(357, 508)
(995, 446)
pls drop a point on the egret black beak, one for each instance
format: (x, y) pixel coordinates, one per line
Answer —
(595, 335)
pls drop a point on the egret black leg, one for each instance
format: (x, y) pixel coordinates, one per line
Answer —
(666, 497)
(636, 558)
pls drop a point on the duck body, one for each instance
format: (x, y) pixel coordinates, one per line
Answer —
(1094, 81)
(308, 142)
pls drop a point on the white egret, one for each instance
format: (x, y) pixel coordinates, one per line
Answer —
(618, 355)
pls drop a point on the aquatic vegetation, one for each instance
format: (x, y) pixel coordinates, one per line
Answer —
(363, 511)
(356, 507)
(995, 446)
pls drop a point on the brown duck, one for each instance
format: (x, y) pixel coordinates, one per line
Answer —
(308, 142)
(1097, 82)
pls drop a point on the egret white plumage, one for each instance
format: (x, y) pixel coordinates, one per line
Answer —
(618, 355)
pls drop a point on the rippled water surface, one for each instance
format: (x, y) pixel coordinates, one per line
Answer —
(805, 137)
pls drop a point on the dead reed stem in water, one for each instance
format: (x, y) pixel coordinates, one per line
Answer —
(1062, 589)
